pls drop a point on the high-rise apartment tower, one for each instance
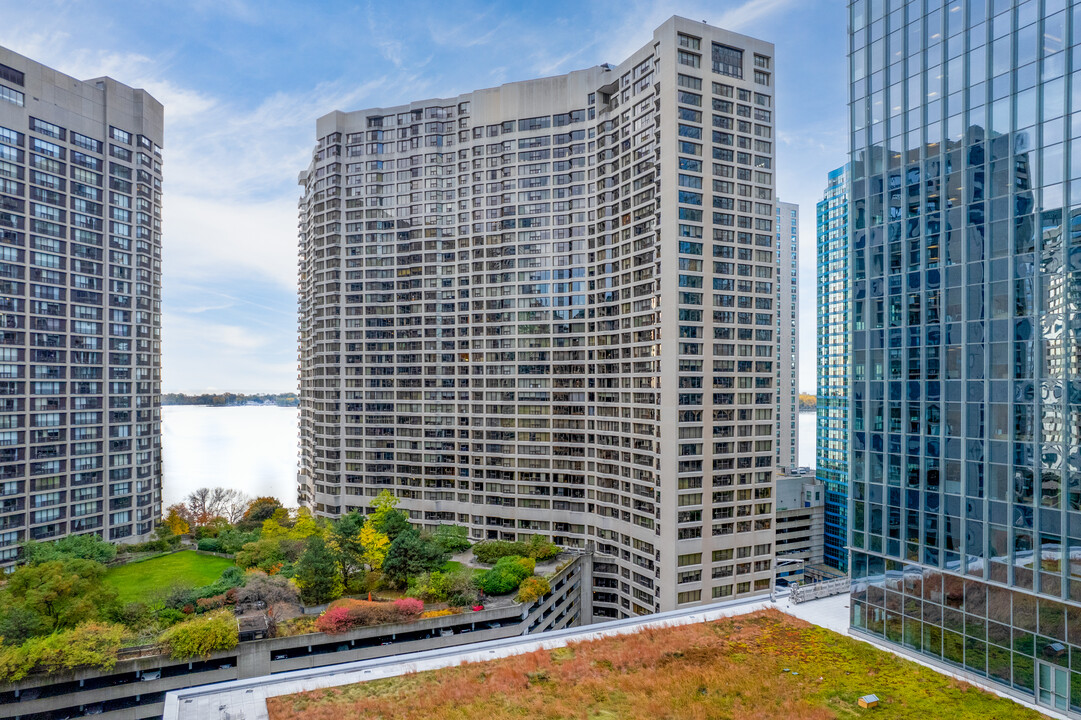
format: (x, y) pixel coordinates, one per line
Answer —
(80, 307)
(787, 336)
(965, 402)
(551, 308)
(831, 424)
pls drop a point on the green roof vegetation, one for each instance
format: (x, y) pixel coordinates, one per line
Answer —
(761, 665)
(139, 581)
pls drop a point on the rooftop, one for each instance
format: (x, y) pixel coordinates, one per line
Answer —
(740, 659)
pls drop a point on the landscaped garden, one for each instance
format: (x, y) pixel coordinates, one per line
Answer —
(71, 605)
(137, 581)
(758, 666)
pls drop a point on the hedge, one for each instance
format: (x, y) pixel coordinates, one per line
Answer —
(201, 637)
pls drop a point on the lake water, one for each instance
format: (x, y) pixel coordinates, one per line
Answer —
(252, 449)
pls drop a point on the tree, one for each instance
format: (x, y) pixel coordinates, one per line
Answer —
(507, 575)
(63, 592)
(381, 505)
(392, 524)
(410, 555)
(375, 545)
(72, 547)
(261, 508)
(452, 538)
(18, 624)
(305, 525)
(205, 504)
(270, 589)
(345, 541)
(178, 519)
(317, 573)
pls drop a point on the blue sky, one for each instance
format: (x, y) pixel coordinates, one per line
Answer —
(244, 80)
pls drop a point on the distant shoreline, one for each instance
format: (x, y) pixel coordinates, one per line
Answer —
(231, 400)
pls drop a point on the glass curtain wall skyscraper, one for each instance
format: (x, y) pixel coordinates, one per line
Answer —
(549, 308)
(965, 235)
(831, 423)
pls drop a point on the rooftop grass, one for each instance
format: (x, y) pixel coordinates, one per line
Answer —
(138, 581)
(762, 665)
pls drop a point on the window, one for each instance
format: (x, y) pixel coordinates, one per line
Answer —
(761, 61)
(118, 134)
(762, 78)
(12, 96)
(689, 41)
(12, 75)
(86, 143)
(727, 60)
(689, 59)
(46, 128)
(689, 82)
(689, 596)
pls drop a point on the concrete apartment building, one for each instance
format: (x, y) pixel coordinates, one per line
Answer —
(553, 307)
(80, 307)
(965, 412)
(800, 521)
(787, 335)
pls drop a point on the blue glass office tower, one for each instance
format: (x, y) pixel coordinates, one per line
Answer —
(831, 441)
(965, 394)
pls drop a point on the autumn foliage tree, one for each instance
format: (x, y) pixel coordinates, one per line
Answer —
(205, 504)
(176, 519)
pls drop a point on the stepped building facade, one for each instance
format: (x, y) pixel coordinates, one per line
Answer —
(553, 307)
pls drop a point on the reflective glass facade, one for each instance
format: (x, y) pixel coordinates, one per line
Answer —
(831, 441)
(965, 271)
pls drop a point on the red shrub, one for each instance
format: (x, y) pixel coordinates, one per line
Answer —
(334, 621)
(409, 607)
(211, 603)
(347, 614)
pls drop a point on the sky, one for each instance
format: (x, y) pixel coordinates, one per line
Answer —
(243, 82)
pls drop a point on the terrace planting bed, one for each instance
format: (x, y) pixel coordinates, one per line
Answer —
(761, 665)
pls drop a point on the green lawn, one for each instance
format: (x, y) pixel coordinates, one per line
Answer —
(137, 581)
(452, 566)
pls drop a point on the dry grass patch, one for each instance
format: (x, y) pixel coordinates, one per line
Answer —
(730, 669)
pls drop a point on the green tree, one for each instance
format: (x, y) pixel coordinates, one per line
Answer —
(317, 573)
(507, 575)
(72, 547)
(261, 508)
(393, 524)
(344, 539)
(382, 504)
(63, 592)
(452, 538)
(410, 555)
(18, 624)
